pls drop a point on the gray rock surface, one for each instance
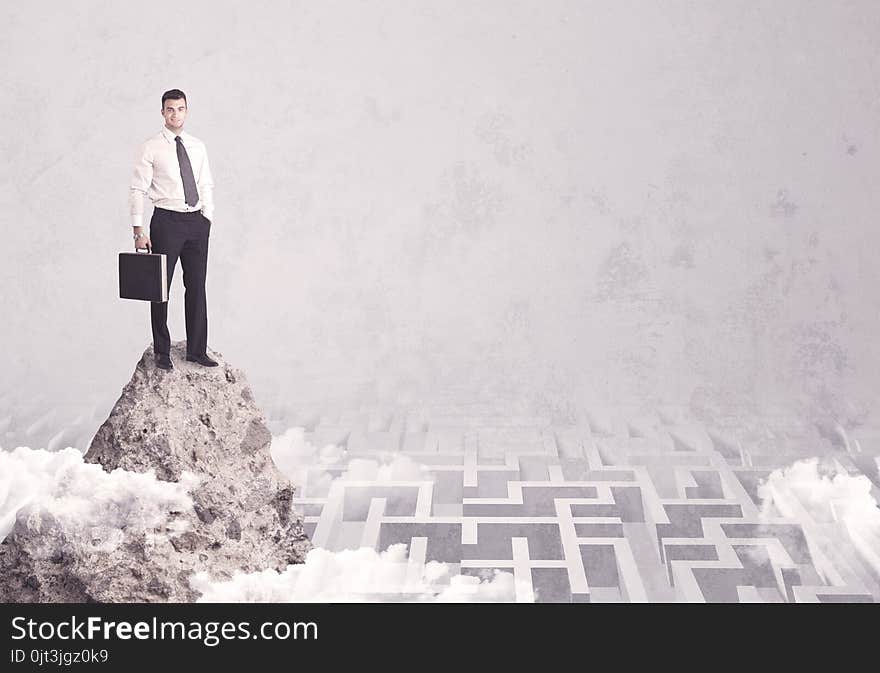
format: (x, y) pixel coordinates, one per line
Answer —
(196, 419)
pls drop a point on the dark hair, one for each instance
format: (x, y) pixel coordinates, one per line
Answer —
(173, 94)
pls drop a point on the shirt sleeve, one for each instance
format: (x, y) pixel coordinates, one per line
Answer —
(140, 183)
(206, 188)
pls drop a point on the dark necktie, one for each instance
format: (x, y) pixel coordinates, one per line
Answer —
(186, 173)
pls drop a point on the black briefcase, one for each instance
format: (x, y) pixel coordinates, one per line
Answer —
(142, 275)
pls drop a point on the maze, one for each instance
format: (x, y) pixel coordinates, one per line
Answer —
(617, 508)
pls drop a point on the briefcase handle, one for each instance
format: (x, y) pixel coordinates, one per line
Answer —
(148, 249)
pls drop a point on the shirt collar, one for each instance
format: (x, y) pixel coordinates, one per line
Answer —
(169, 135)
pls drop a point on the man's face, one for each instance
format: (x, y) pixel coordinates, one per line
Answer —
(174, 113)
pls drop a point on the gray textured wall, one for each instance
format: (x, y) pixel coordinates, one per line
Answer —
(615, 201)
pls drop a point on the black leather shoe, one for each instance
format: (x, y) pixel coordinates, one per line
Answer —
(163, 361)
(203, 360)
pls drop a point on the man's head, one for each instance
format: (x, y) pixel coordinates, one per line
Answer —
(174, 109)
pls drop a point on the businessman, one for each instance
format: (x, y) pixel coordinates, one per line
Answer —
(172, 169)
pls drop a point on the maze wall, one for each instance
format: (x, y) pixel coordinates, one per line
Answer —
(617, 508)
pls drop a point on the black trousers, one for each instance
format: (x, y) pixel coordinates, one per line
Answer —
(183, 235)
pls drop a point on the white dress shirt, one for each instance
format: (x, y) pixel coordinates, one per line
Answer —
(157, 175)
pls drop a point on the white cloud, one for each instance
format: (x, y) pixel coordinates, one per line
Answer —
(308, 467)
(78, 503)
(358, 575)
(814, 491)
(353, 575)
(825, 492)
(399, 467)
(304, 463)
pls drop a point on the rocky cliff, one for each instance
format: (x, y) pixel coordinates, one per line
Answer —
(200, 427)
